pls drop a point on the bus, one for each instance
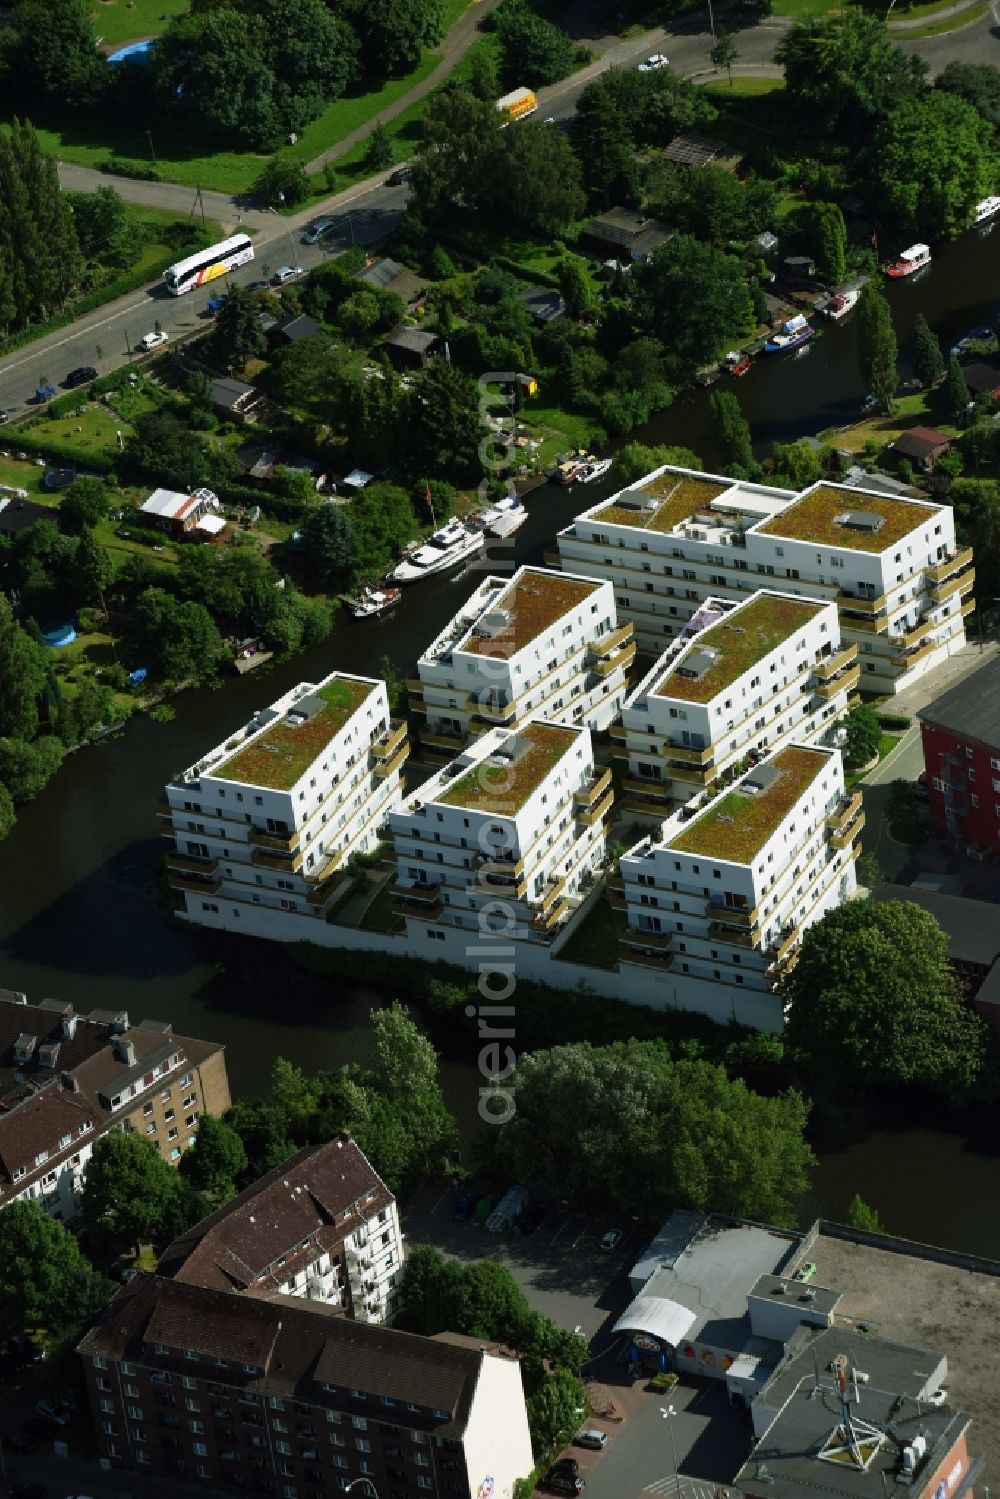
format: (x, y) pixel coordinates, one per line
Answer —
(206, 265)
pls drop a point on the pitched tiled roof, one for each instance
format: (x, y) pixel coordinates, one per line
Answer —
(38, 1123)
(318, 1189)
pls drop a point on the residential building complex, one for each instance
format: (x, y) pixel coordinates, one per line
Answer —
(519, 817)
(961, 741)
(755, 676)
(66, 1079)
(322, 1225)
(290, 1397)
(266, 823)
(723, 896)
(891, 565)
(538, 645)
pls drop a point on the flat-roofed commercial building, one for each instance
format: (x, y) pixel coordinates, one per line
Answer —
(891, 565)
(506, 838)
(541, 644)
(265, 824)
(767, 671)
(723, 896)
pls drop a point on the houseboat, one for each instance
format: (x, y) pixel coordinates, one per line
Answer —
(454, 543)
(986, 210)
(841, 304)
(913, 259)
(793, 332)
(375, 601)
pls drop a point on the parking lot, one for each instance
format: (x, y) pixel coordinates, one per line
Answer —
(560, 1266)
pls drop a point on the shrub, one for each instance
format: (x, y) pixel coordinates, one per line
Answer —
(121, 166)
(894, 721)
(65, 453)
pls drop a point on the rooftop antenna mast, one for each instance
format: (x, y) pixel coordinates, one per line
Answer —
(853, 1443)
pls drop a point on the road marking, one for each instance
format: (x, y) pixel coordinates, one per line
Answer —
(565, 1224)
(444, 1195)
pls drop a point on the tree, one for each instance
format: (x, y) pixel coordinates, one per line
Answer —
(326, 542)
(862, 734)
(795, 464)
(711, 204)
(179, 637)
(92, 569)
(26, 769)
(730, 431)
(575, 288)
(48, 53)
(456, 165)
(164, 451)
(217, 1159)
(47, 1288)
(406, 1072)
(954, 392)
(395, 32)
(554, 1411)
(634, 460)
(873, 1001)
(724, 53)
(549, 193)
(694, 299)
(446, 424)
(876, 344)
(83, 505)
(39, 251)
(869, 871)
(977, 83)
(237, 335)
(22, 676)
(8, 817)
(860, 1215)
(105, 227)
(930, 163)
(132, 1197)
(828, 242)
(484, 75)
(845, 74)
(928, 361)
(531, 46)
(378, 152)
(284, 180)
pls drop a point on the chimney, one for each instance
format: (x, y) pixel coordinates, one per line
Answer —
(124, 1050)
(70, 1082)
(69, 1027)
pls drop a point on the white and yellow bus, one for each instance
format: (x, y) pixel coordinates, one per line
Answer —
(206, 265)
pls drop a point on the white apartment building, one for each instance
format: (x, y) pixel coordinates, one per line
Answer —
(755, 676)
(265, 824)
(541, 644)
(507, 838)
(891, 565)
(723, 897)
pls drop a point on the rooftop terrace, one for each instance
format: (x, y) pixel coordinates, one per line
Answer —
(678, 496)
(738, 824)
(743, 637)
(282, 752)
(503, 780)
(532, 602)
(814, 516)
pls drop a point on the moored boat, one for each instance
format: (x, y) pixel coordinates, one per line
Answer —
(913, 259)
(741, 367)
(986, 210)
(444, 549)
(841, 304)
(793, 332)
(594, 468)
(375, 601)
(505, 517)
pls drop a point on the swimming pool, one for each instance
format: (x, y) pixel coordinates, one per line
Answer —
(137, 51)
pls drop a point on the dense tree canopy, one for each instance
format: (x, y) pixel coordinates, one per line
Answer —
(622, 110)
(132, 1196)
(447, 426)
(22, 676)
(877, 344)
(873, 1000)
(977, 83)
(179, 637)
(531, 46)
(40, 260)
(217, 1159)
(393, 33)
(693, 298)
(650, 1133)
(845, 74)
(712, 204)
(48, 54)
(47, 1288)
(26, 769)
(931, 162)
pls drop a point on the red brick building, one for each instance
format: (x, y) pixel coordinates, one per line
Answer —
(961, 742)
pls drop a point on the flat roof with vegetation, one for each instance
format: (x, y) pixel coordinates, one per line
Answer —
(814, 517)
(501, 789)
(533, 603)
(283, 752)
(737, 825)
(740, 639)
(678, 496)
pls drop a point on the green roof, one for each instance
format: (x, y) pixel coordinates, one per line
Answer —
(740, 638)
(677, 496)
(737, 825)
(815, 516)
(503, 789)
(282, 753)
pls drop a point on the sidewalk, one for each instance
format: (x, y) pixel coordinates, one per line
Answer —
(908, 23)
(950, 672)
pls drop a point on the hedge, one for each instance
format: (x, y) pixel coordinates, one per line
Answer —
(274, 505)
(65, 454)
(526, 272)
(894, 721)
(122, 166)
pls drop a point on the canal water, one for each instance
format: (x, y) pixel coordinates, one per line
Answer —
(82, 914)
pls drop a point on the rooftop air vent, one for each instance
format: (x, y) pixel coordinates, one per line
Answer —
(861, 520)
(493, 622)
(760, 779)
(697, 664)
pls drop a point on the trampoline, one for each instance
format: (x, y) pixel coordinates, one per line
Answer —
(135, 52)
(59, 635)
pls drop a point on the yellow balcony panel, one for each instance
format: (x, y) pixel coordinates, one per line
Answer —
(415, 704)
(607, 644)
(848, 835)
(287, 864)
(862, 605)
(615, 899)
(967, 582)
(545, 920)
(589, 815)
(867, 626)
(905, 662)
(282, 842)
(386, 768)
(617, 732)
(633, 937)
(952, 564)
(846, 682)
(197, 887)
(427, 893)
(779, 952)
(551, 557)
(608, 664)
(386, 747)
(968, 607)
(551, 894)
(829, 666)
(941, 592)
(845, 813)
(719, 932)
(915, 634)
(741, 916)
(686, 754)
(614, 882)
(439, 740)
(188, 864)
(589, 794)
(647, 786)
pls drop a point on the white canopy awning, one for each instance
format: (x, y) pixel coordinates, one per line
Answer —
(663, 1319)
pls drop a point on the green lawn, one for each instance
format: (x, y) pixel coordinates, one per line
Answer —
(595, 941)
(951, 23)
(21, 475)
(379, 917)
(91, 430)
(908, 411)
(744, 86)
(118, 21)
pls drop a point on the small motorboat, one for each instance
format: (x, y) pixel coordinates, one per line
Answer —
(841, 304)
(913, 259)
(505, 517)
(594, 468)
(741, 367)
(793, 332)
(374, 601)
(986, 210)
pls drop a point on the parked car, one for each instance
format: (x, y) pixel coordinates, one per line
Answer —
(4, 417)
(654, 62)
(591, 1436)
(80, 376)
(463, 1208)
(612, 1239)
(565, 1465)
(216, 304)
(286, 273)
(152, 340)
(399, 176)
(563, 1483)
(44, 392)
(316, 230)
(252, 286)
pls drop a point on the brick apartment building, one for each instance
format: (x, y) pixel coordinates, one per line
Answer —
(290, 1397)
(961, 742)
(323, 1225)
(66, 1079)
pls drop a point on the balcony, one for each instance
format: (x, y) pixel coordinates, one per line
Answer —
(551, 894)
(438, 739)
(828, 666)
(846, 682)
(913, 636)
(418, 910)
(968, 607)
(634, 937)
(741, 916)
(686, 754)
(164, 811)
(732, 934)
(591, 815)
(941, 592)
(386, 768)
(952, 564)
(779, 951)
(845, 813)
(493, 715)
(861, 603)
(615, 882)
(265, 860)
(912, 657)
(323, 892)
(197, 887)
(191, 864)
(617, 732)
(867, 626)
(282, 842)
(660, 960)
(587, 795)
(849, 834)
(608, 664)
(615, 898)
(551, 557)
(608, 644)
(386, 747)
(415, 704)
(651, 786)
(545, 920)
